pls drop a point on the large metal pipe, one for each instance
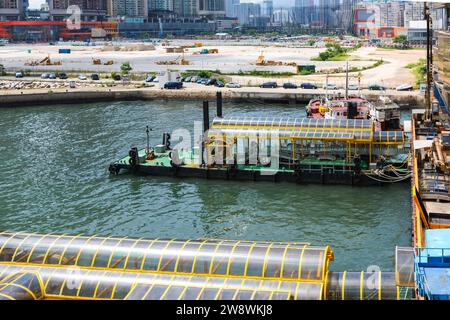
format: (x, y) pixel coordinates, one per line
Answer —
(221, 258)
(362, 286)
(70, 282)
(21, 285)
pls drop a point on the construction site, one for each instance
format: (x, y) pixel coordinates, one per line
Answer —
(278, 62)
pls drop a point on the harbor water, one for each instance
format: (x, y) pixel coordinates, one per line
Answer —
(54, 178)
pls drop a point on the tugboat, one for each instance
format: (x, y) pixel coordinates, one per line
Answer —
(384, 113)
(339, 107)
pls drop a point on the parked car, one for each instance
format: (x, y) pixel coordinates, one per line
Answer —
(117, 77)
(95, 76)
(269, 85)
(289, 85)
(353, 87)
(330, 86)
(378, 87)
(45, 75)
(233, 85)
(62, 75)
(211, 82)
(72, 84)
(82, 77)
(219, 84)
(187, 79)
(52, 76)
(194, 79)
(149, 78)
(173, 85)
(308, 85)
(202, 80)
(19, 74)
(156, 79)
(405, 87)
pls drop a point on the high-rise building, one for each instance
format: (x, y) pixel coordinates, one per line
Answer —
(211, 7)
(390, 14)
(230, 9)
(12, 9)
(160, 5)
(304, 11)
(267, 8)
(185, 8)
(347, 14)
(91, 10)
(127, 10)
(413, 11)
(246, 12)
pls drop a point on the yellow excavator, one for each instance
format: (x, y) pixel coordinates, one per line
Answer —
(98, 62)
(182, 61)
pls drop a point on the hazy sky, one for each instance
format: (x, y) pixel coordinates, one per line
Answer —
(36, 4)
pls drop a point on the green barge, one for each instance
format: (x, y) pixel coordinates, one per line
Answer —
(298, 150)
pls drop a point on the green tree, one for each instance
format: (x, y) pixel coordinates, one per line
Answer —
(145, 36)
(324, 56)
(401, 39)
(204, 74)
(126, 67)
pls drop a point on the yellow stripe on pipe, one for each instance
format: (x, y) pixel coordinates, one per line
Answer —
(379, 286)
(7, 296)
(196, 255)
(175, 269)
(361, 286)
(7, 240)
(98, 249)
(230, 259)
(247, 260)
(300, 264)
(113, 252)
(50, 247)
(100, 278)
(67, 247)
(125, 265)
(283, 260)
(81, 250)
(266, 255)
(18, 246)
(214, 256)
(344, 275)
(145, 255)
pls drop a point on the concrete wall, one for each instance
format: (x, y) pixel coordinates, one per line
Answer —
(62, 97)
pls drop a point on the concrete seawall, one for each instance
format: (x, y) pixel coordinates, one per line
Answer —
(40, 97)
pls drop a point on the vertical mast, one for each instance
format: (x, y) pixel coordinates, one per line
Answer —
(346, 82)
(429, 61)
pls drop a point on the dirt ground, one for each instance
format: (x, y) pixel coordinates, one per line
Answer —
(231, 58)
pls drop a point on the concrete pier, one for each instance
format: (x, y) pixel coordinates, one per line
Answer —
(16, 98)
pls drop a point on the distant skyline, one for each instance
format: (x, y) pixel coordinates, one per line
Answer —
(36, 4)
